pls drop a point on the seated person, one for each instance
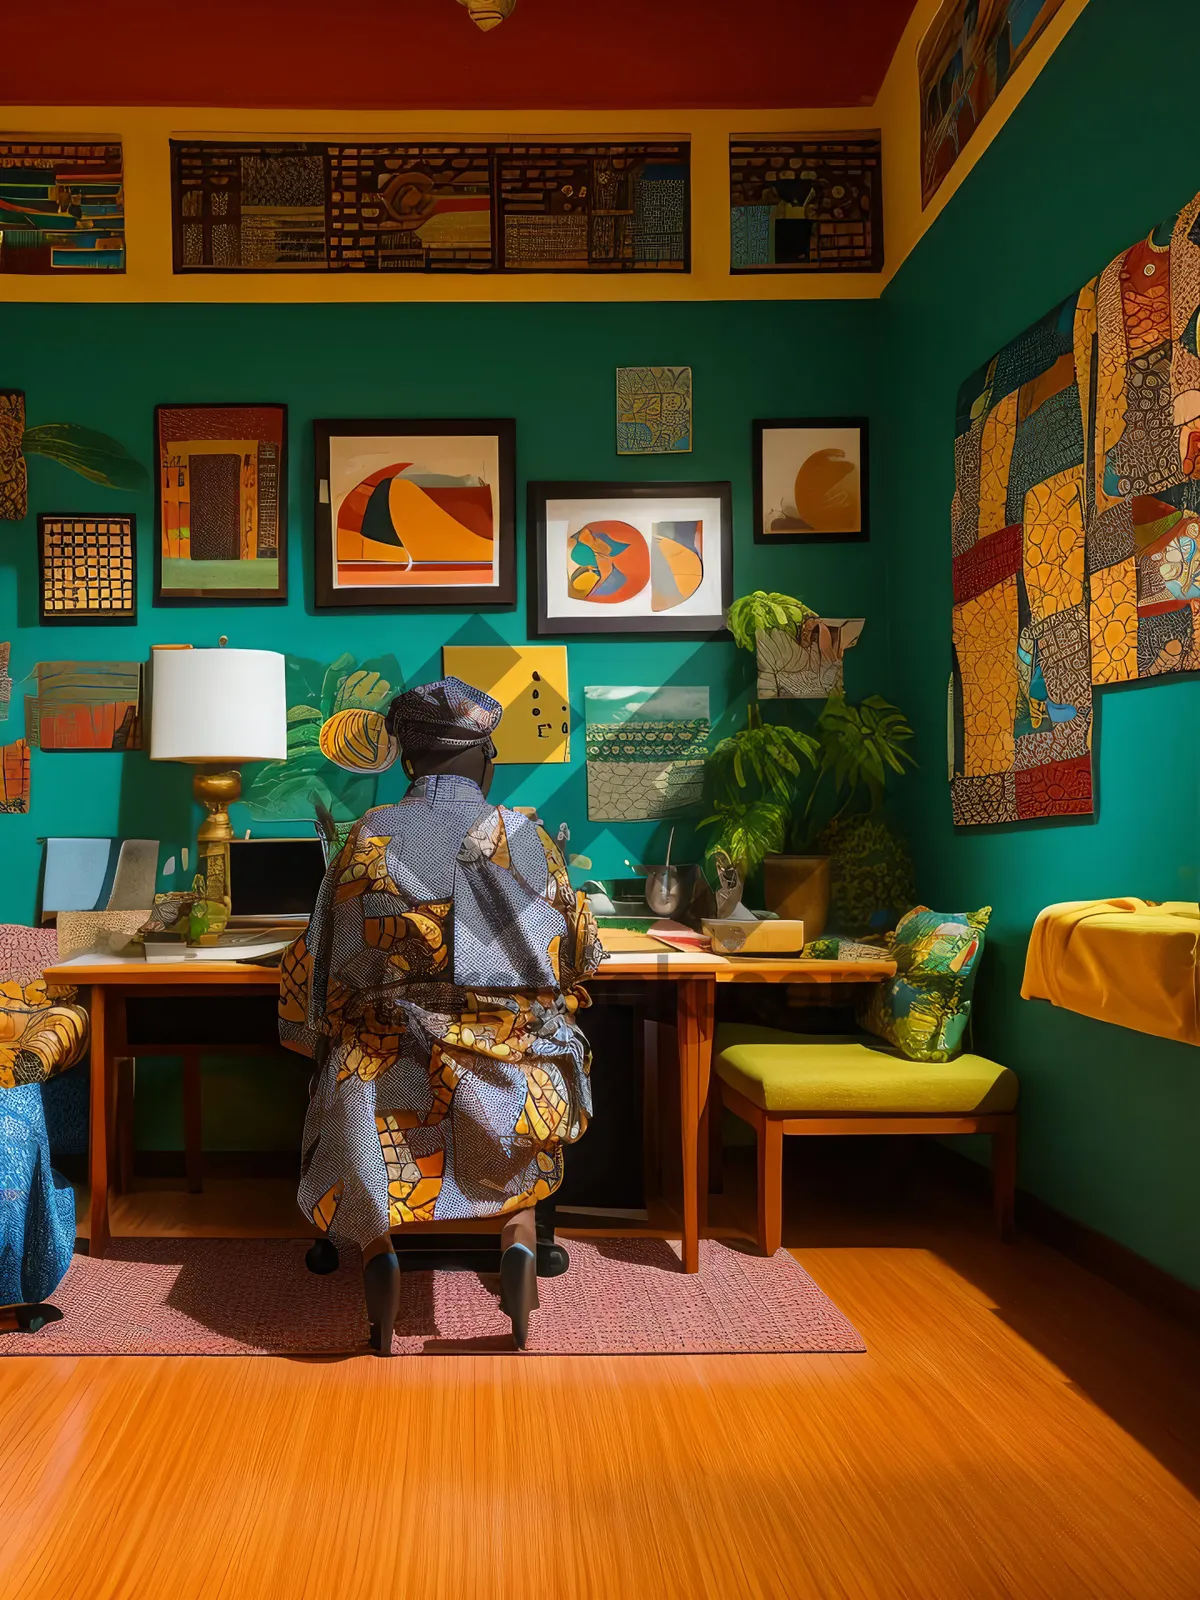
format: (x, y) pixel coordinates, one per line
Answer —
(436, 988)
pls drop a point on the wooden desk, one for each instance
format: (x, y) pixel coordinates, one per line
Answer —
(114, 981)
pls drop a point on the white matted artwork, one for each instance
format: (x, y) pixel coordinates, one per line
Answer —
(810, 480)
(630, 558)
(804, 662)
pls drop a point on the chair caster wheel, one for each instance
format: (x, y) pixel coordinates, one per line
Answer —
(552, 1260)
(322, 1257)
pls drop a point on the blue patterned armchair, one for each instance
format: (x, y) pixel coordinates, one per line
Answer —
(40, 1035)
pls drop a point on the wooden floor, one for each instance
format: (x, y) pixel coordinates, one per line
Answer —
(1018, 1430)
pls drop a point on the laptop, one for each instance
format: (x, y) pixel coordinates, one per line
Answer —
(274, 882)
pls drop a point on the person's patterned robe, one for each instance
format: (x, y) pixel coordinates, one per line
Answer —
(436, 988)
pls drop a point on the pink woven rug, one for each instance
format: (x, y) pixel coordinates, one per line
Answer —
(218, 1297)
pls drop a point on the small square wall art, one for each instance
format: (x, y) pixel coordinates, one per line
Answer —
(810, 480)
(530, 682)
(88, 569)
(611, 558)
(222, 503)
(416, 513)
(654, 411)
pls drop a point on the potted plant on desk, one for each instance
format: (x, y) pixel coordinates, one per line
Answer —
(795, 803)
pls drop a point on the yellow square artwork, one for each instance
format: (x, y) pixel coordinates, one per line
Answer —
(530, 682)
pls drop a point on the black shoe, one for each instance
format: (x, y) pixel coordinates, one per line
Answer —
(381, 1287)
(518, 1289)
(322, 1257)
(31, 1317)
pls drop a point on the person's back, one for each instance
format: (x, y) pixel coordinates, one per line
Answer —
(437, 987)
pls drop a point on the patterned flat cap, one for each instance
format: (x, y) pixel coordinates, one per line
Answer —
(447, 715)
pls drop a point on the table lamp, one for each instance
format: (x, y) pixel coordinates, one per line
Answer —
(214, 710)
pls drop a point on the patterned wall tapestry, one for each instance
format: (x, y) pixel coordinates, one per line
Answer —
(1075, 526)
(425, 207)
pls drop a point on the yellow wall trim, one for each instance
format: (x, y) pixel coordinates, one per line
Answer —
(146, 131)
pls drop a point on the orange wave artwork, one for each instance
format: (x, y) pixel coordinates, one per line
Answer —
(402, 527)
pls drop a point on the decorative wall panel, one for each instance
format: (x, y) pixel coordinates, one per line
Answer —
(62, 207)
(1075, 526)
(430, 207)
(807, 204)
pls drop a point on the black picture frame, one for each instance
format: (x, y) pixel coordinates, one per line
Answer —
(501, 597)
(201, 596)
(859, 536)
(542, 626)
(49, 618)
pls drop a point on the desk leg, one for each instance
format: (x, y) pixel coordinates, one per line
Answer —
(694, 1013)
(98, 1235)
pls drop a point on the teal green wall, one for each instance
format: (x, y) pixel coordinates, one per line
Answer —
(552, 367)
(1094, 156)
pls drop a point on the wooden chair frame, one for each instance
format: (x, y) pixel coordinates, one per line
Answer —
(770, 1127)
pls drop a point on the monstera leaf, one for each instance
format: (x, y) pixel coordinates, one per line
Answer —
(761, 612)
(95, 456)
(747, 831)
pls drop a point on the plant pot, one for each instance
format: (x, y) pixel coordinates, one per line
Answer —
(797, 888)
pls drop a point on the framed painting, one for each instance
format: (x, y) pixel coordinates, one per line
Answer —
(648, 558)
(810, 480)
(87, 568)
(416, 513)
(221, 500)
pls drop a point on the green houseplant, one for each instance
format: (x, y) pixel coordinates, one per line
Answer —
(783, 798)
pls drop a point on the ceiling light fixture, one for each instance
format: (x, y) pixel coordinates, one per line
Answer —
(488, 14)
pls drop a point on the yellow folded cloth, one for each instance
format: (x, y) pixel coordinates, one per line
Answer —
(1128, 961)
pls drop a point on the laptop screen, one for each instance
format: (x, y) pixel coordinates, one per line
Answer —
(275, 877)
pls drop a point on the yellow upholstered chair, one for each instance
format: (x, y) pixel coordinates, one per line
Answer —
(787, 1083)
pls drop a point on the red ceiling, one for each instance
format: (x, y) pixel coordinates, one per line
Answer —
(428, 54)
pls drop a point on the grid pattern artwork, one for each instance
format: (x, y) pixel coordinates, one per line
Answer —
(62, 207)
(812, 203)
(88, 569)
(430, 207)
(1075, 527)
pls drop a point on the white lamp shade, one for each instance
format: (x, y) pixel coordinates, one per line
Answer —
(218, 706)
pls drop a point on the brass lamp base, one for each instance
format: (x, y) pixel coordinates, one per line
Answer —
(216, 789)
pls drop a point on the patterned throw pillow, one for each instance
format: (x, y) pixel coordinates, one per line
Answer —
(924, 1009)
